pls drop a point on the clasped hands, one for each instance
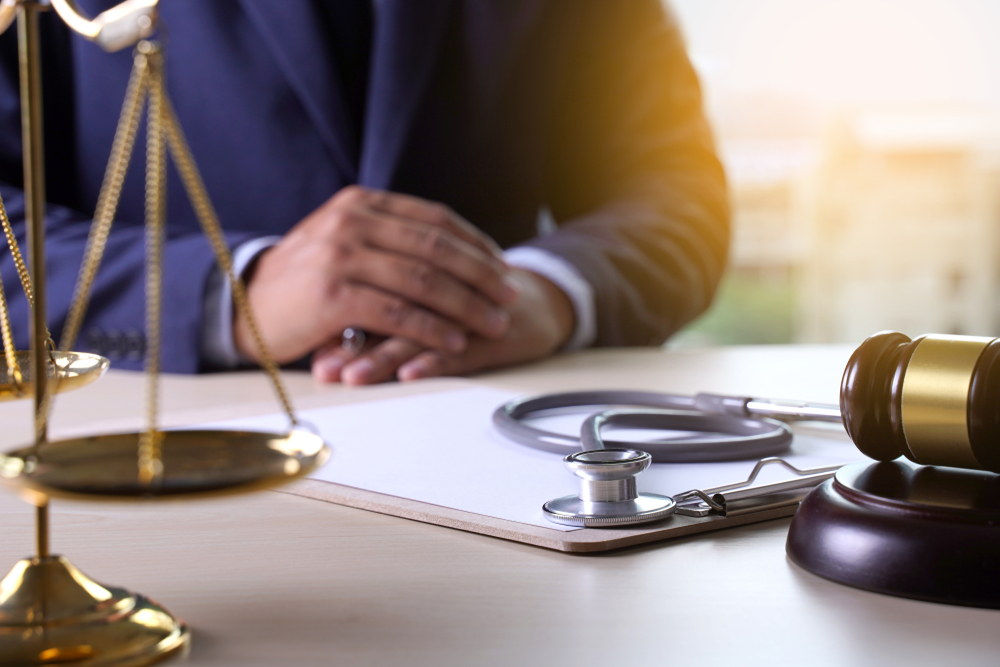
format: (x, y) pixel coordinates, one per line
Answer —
(432, 291)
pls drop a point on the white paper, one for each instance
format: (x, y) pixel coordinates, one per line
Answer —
(442, 449)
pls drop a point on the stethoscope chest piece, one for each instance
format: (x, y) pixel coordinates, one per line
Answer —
(608, 494)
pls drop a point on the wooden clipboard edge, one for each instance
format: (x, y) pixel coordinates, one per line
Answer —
(578, 541)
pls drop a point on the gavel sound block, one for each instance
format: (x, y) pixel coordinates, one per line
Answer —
(928, 531)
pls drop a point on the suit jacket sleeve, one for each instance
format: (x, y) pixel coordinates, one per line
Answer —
(118, 299)
(117, 302)
(634, 182)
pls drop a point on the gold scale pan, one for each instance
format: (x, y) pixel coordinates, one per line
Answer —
(65, 370)
(68, 371)
(50, 612)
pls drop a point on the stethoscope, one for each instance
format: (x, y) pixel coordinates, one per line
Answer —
(726, 428)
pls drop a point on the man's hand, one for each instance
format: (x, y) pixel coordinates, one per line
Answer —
(541, 321)
(390, 264)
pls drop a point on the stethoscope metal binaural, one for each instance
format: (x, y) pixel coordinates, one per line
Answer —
(726, 428)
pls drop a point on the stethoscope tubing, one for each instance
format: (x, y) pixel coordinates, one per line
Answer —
(722, 437)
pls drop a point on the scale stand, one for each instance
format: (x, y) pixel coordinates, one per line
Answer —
(50, 612)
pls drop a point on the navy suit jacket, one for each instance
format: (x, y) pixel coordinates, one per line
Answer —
(499, 108)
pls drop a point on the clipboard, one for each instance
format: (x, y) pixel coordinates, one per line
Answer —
(435, 458)
(585, 540)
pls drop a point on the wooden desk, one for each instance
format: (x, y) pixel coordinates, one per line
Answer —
(273, 579)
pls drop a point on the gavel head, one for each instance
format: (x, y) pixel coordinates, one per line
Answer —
(934, 399)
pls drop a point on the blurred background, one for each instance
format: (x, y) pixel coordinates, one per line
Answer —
(862, 144)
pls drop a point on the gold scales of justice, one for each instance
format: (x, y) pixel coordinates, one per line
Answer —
(50, 612)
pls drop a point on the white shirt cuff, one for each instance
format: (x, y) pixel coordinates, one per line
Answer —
(567, 278)
(218, 349)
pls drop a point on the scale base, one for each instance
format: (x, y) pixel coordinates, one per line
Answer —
(53, 614)
(920, 532)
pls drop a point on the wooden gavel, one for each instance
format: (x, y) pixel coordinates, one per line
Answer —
(934, 399)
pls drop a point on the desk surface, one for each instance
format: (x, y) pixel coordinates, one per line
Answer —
(274, 579)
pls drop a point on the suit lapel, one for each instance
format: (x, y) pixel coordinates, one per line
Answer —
(293, 32)
(407, 42)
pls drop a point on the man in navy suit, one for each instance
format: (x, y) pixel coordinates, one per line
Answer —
(369, 159)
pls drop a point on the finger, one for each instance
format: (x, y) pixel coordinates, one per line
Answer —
(326, 366)
(380, 363)
(391, 315)
(426, 365)
(328, 360)
(447, 252)
(432, 213)
(436, 364)
(432, 288)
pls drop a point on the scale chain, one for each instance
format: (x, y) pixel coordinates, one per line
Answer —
(150, 461)
(107, 200)
(20, 265)
(107, 205)
(195, 187)
(147, 91)
(15, 251)
(10, 354)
